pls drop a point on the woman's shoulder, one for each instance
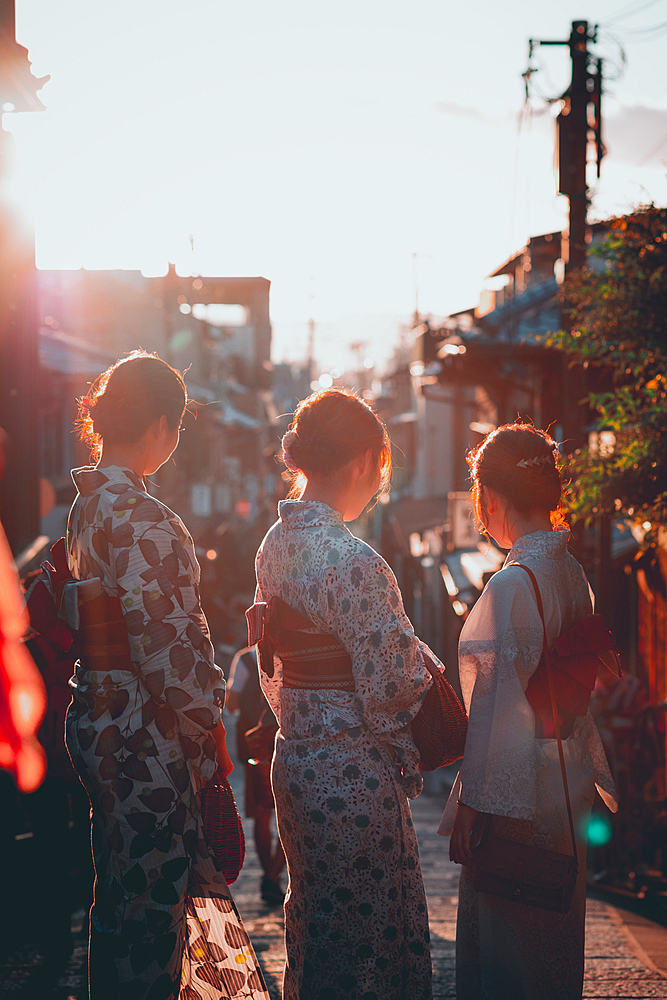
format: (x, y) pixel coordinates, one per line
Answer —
(348, 550)
(121, 506)
(134, 501)
(509, 578)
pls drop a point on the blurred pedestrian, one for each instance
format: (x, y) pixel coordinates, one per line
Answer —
(144, 729)
(347, 679)
(245, 695)
(511, 768)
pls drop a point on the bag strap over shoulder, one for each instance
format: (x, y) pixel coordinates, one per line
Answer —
(552, 695)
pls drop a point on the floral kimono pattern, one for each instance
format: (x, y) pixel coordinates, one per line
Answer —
(163, 923)
(504, 948)
(356, 923)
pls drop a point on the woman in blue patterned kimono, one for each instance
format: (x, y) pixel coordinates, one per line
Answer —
(146, 734)
(345, 765)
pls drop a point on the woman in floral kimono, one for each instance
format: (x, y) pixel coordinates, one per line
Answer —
(505, 949)
(345, 765)
(145, 736)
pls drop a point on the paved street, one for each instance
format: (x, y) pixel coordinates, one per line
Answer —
(617, 964)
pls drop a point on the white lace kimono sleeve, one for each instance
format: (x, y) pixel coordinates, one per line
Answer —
(498, 774)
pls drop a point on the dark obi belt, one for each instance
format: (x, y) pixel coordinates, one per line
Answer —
(101, 642)
(310, 660)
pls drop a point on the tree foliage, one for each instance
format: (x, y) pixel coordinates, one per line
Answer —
(618, 330)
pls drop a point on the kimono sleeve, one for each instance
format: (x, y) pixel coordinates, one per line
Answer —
(391, 678)
(498, 773)
(158, 585)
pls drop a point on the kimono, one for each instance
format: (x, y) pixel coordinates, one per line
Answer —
(163, 923)
(505, 949)
(345, 764)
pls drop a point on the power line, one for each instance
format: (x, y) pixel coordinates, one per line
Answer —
(631, 9)
(643, 31)
(521, 120)
(618, 63)
(654, 150)
(654, 33)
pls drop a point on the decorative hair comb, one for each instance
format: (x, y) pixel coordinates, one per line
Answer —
(528, 463)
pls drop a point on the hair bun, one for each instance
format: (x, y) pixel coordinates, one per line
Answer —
(126, 399)
(329, 429)
(521, 463)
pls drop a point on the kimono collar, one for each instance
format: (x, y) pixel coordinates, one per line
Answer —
(308, 514)
(539, 545)
(90, 479)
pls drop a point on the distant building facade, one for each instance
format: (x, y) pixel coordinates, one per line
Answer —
(216, 330)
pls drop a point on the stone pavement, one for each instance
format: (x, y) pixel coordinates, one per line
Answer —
(617, 963)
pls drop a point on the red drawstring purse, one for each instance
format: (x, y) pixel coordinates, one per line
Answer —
(223, 828)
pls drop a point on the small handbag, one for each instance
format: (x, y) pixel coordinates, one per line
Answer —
(223, 828)
(523, 872)
(440, 726)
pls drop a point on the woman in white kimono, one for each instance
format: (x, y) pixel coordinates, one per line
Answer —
(345, 765)
(143, 728)
(505, 949)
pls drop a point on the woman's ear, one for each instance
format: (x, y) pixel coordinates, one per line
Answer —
(364, 462)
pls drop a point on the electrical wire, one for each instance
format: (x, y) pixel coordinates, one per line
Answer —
(653, 151)
(631, 9)
(618, 63)
(643, 31)
(522, 119)
(657, 33)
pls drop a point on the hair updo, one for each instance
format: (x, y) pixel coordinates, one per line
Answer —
(127, 398)
(521, 463)
(330, 429)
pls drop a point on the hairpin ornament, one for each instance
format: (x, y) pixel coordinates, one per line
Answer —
(528, 463)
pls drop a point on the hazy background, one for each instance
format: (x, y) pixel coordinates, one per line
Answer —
(322, 146)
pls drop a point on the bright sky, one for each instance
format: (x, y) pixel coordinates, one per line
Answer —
(321, 145)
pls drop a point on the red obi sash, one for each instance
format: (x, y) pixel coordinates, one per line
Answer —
(580, 654)
(310, 660)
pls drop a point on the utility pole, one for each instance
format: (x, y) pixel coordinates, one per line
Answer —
(578, 135)
(579, 127)
(578, 141)
(19, 360)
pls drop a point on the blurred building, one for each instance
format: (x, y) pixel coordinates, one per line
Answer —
(469, 373)
(223, 479)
